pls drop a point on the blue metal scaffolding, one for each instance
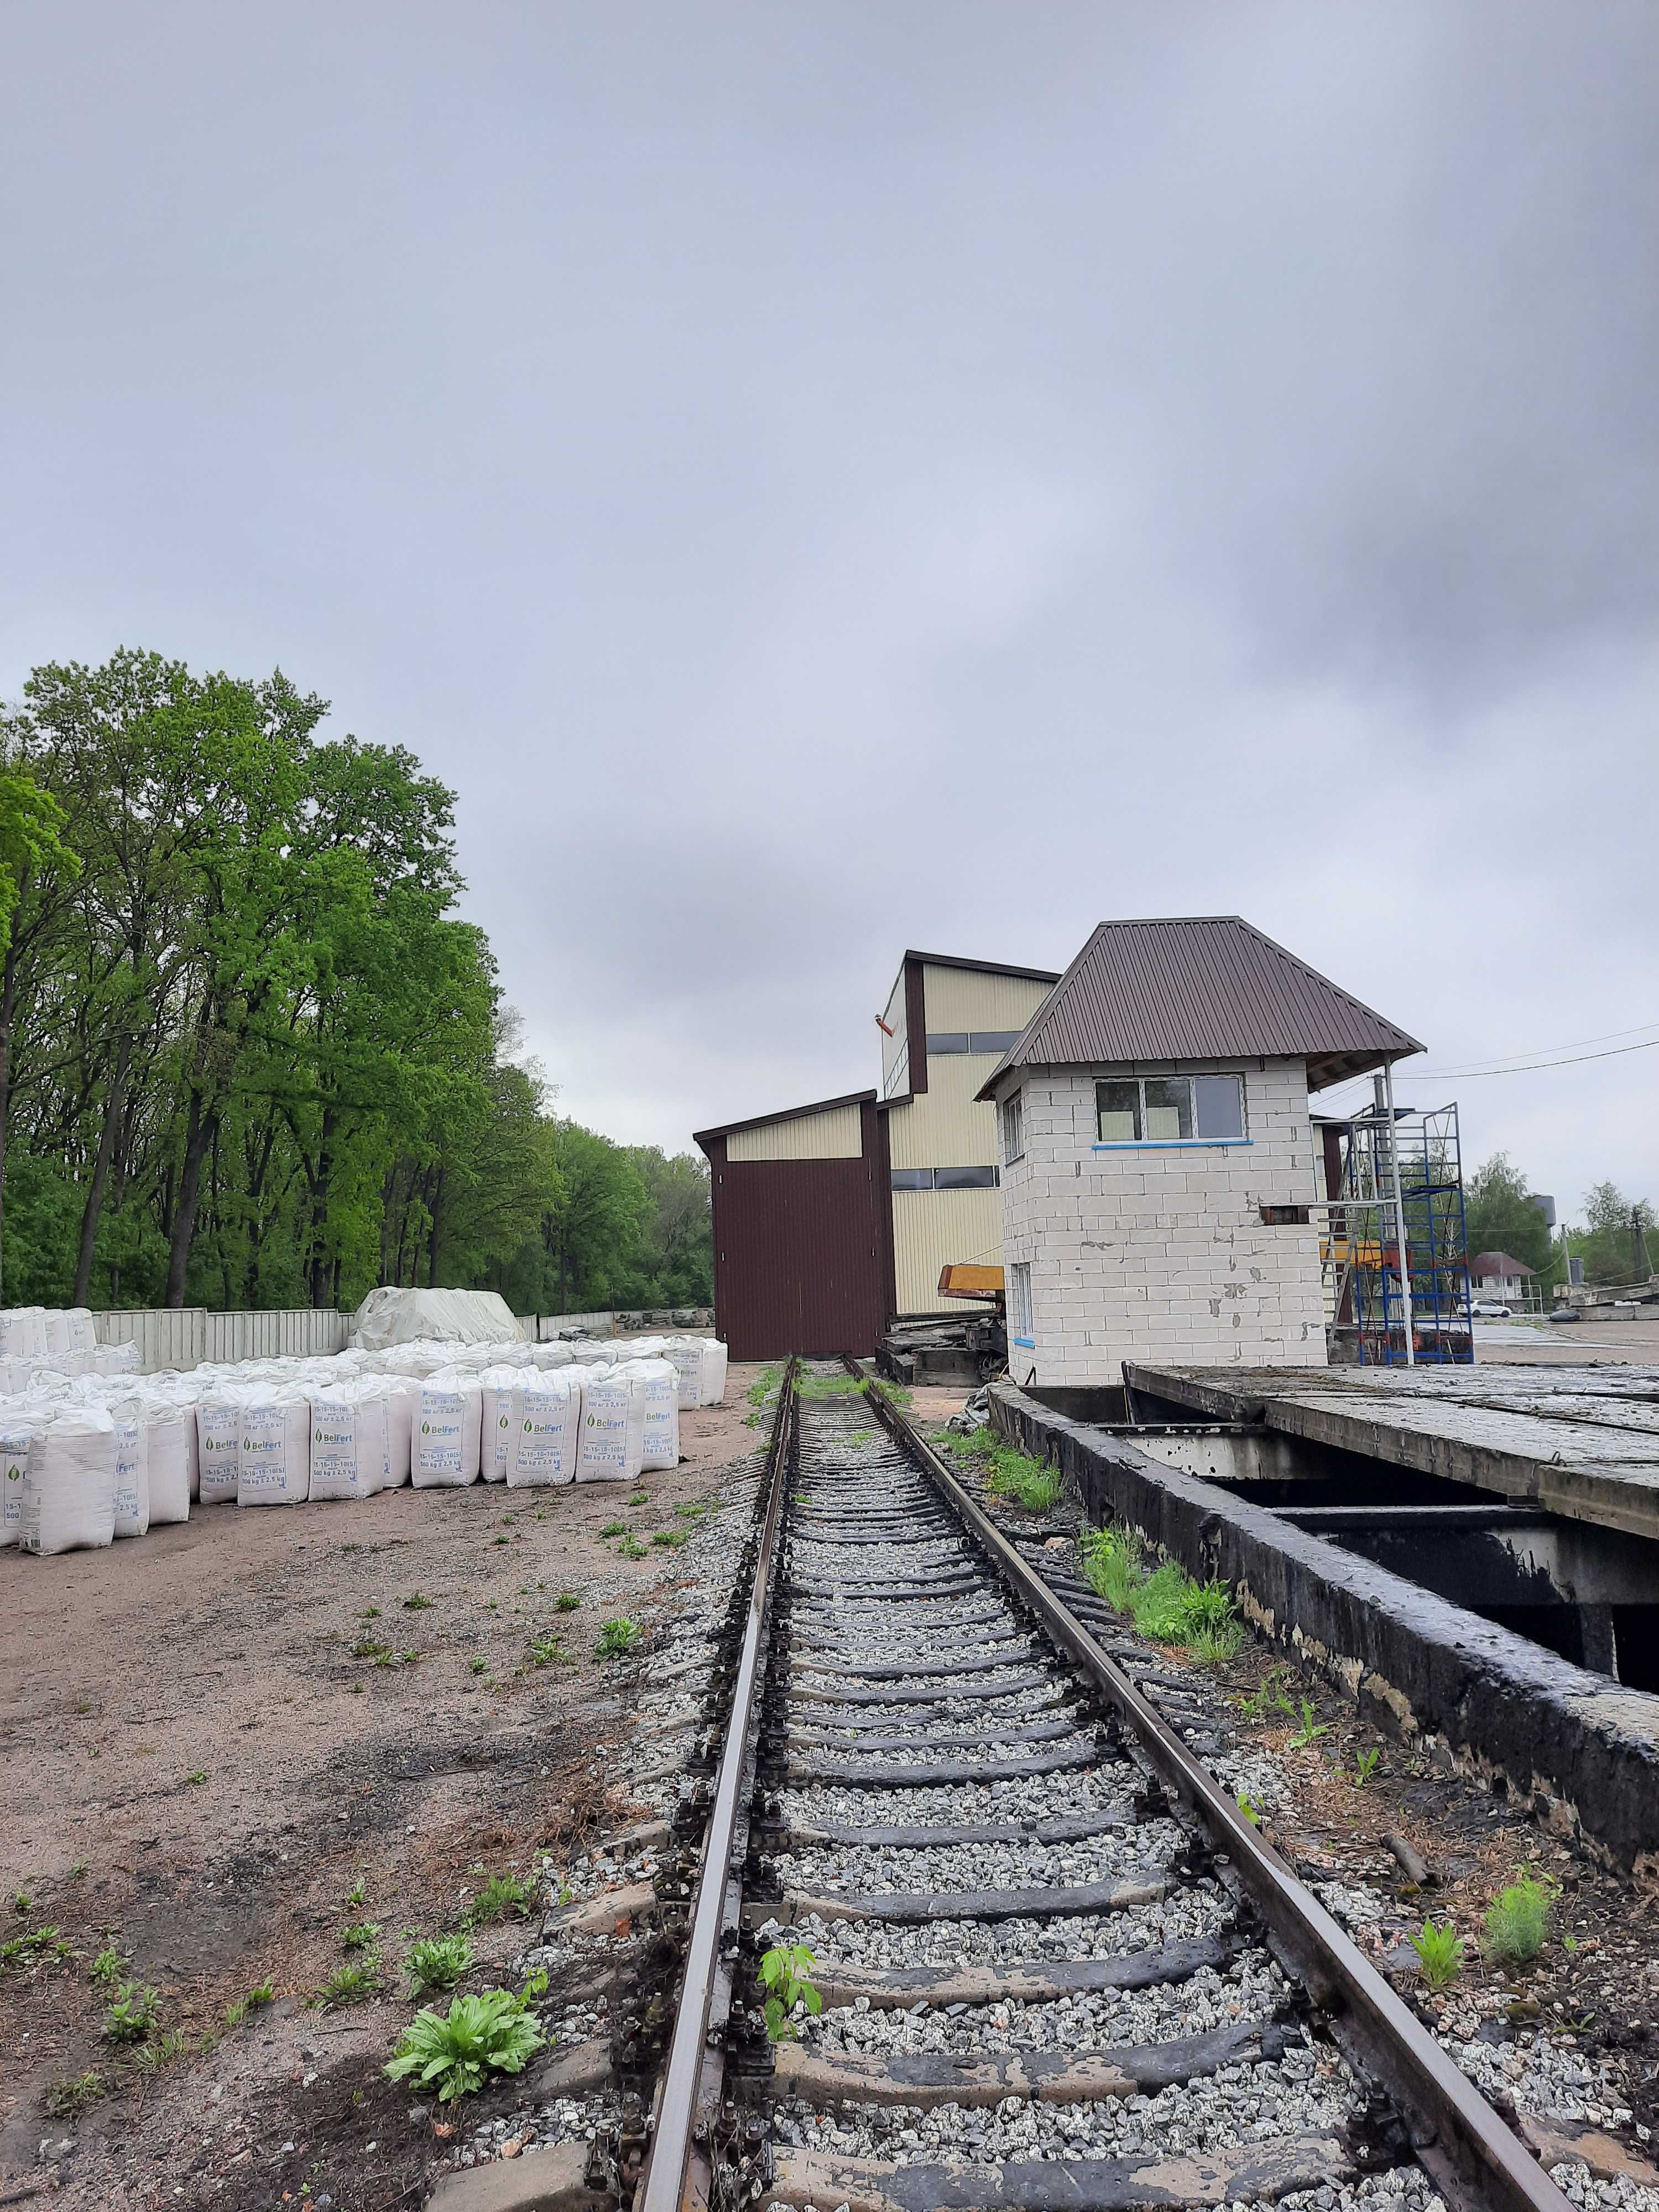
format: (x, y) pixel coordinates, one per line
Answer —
(1374, 1306)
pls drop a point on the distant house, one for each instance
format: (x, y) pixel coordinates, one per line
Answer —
(1499, 1275)
(1158, 1163)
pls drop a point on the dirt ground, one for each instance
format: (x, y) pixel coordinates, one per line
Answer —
(227, 1743)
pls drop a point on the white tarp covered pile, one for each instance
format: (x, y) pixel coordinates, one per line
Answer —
(86, 1457)
(389, 1316)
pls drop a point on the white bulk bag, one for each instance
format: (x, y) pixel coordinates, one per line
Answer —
(116, 1359)
(83, 1337)
(550, 1355)
(192, 1448)
(131, 1468)
(547, 1422)
(15, 1437)
(169, 1440)
(14, 1333)
(447, 1431)
(684, 1355)
(56, 1326)
(347, 1443)
(34, 1324)
(714, 1371)
(219, 1448)
(612, 1447)
(498, 1384)
(661, 1387)
(274, 1465)
(403, 1403)
(69, 1484)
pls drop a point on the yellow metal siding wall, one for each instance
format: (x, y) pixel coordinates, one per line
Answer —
(931, 1227)
(832, 1136)
(967, 999)
(944, 1127)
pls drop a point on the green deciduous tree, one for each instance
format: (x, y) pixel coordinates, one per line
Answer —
(249, 1055)
(1501, 1216)
(1615, 1246)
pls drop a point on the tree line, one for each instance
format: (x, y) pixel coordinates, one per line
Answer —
(250, 1055)
(1616, 1241)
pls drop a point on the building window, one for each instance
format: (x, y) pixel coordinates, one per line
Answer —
(1019, 1303)
(944, 1178)
(1171, 1110)
(1013, 1128)
(997, 1041)
(912, 1178)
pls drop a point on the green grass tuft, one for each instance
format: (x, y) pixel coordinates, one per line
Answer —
(1166, 1605)
(437, 1962)
(501, 1895)
(1518, 1919)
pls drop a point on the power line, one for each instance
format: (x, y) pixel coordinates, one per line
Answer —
(1531, 1067)
(1517, 1067)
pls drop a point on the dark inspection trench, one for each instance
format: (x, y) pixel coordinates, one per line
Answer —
(1584, 1592)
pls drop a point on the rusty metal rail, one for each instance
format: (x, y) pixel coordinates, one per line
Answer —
(678, 2170)
(1456, 2135)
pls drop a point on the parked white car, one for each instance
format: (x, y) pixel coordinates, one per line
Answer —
(1489, 1310)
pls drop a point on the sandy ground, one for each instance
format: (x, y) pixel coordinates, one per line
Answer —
(211, 1738)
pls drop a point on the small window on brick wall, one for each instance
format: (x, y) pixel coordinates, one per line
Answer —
(1019, 1301)
(1013, 1128)
(1170, 1109)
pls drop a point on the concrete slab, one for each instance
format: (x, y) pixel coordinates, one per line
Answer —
(1582, 1441)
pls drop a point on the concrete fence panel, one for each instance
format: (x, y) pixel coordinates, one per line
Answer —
(186, 1336)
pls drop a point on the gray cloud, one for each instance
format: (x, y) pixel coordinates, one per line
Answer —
(823, 479)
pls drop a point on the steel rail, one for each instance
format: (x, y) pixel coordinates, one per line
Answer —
(1456, 2136)
(663, 2184)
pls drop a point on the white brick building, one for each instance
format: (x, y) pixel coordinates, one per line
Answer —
(1158, 1165)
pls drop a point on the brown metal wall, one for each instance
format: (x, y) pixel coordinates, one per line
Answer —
(803, 1249)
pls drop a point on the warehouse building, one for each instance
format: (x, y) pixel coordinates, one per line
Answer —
(832, 1219)
(1160, 1187)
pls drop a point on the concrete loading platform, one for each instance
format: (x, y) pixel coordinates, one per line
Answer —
(1473, 1553)
(1579, 1441)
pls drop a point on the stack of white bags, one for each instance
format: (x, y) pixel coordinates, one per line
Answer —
(87, 1456)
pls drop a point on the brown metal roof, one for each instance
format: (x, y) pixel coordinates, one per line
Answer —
(784, 1114)
(1201, 987)
(984, 967)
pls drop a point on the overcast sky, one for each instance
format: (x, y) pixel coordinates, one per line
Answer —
(821, 479)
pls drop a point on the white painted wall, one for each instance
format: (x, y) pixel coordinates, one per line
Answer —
(1160, 1252)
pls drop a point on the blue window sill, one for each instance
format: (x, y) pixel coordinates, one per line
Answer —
(1178, 1144)
(1026, 1343)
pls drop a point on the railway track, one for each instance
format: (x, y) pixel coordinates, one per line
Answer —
(1057, 1966)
